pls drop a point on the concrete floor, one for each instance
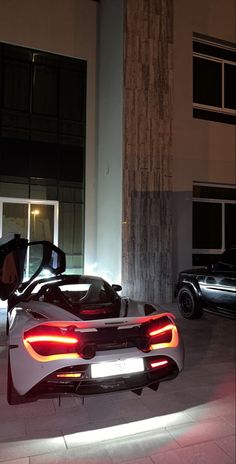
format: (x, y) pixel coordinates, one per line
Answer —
(190, 420)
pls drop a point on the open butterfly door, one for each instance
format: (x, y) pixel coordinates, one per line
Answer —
(13, 252)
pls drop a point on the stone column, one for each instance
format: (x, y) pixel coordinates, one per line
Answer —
(147, 163)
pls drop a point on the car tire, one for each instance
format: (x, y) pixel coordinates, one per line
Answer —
(188, 304)
(12, 396)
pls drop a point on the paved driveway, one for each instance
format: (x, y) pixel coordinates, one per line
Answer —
(190, 420)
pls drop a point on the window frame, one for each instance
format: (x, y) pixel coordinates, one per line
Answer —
(223, 203)
(222, 108)
(224, 53)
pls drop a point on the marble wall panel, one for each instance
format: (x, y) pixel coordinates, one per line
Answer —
(147, 166)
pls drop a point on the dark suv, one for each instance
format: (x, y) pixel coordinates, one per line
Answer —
(212, 288)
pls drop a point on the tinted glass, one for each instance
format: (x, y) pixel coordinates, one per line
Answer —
(229, 257)
(230, 225)
(230, 86)
(15, 219)
(207, 82)
(16, 188)
(45, 90)
(207, 228)
(72, 95)
(222, 193)
(41, 222)
(35, 259)
(200, 259)
(71, 226)
(16, 85)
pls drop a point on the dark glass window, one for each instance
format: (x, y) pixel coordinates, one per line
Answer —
(214, 224)
(221, 193)
(207, 82)
(207, 229)
(214, 77)
(230, 86)
(16, 85)
(72, 95)
(230, 225)
(42, 136)
(45, 91)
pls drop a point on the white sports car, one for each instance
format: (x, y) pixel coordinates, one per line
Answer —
(74, 335)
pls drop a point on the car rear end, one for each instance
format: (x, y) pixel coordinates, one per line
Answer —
(91, 357)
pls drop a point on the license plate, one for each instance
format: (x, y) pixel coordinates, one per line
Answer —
(120, 367)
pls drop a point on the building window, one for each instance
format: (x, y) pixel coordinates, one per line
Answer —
(214, 221)
(214, 77)
(42, 138)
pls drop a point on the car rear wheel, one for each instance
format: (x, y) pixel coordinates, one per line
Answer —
(12, 395)
(189, 306)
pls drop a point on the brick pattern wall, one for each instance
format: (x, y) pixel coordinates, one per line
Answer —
(147, 166)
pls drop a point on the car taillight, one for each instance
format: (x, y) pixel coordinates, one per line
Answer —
(161, 334)
(156, 364)
(47, 341)
(51, 338)
(158, 333)
(164, 334)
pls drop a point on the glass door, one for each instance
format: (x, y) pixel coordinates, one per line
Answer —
(14, 219)
(32, 219)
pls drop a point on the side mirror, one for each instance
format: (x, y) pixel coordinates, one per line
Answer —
(116, 287)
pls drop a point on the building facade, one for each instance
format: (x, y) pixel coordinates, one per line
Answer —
(159, 149)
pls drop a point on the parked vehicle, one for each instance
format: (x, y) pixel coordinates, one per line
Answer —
(212, 288)
(74, 334)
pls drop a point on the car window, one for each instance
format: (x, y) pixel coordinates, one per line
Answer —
(228, 282)
(89, 293)
(210, 280)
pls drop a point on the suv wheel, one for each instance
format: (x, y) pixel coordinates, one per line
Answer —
(189, 306)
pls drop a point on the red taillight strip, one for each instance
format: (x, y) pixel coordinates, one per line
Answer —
(172, 344)
(159, 363)
(162, 330)
(52, 357)
(51, 338)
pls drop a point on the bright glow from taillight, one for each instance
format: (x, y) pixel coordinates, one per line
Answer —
(46, 343)
(162, 333)
(69, 375)
(162, 330)
(159, 363)
(51, 338)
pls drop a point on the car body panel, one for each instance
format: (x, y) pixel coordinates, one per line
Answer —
(27, 371)
(213, 286)
(61, 327)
